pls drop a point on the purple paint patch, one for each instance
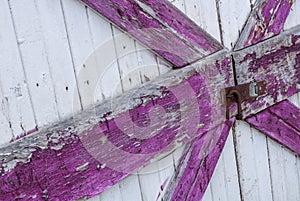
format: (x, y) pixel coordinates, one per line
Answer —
(288, 112)
(56, 175)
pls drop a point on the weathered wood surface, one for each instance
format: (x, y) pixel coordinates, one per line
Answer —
(160, 26)
(133, 128)
(275, 61)
(281, 123)
(266, 20)
(80, 47)
(206, 79)
(198, 164)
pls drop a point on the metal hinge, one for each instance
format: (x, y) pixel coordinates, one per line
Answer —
(238, 94)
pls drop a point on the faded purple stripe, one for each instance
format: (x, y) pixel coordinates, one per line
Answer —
(160, 26)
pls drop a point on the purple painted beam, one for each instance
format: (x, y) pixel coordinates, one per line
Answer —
(266, 20)
(281, 123)
(160, 26)
(198, 164)
(85, 155)
(275, 61)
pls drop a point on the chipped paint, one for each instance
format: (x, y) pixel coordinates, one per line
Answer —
(179, 41)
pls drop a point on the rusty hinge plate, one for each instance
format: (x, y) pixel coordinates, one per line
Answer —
(238, 94)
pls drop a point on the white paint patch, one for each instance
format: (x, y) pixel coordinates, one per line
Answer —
(82, 167)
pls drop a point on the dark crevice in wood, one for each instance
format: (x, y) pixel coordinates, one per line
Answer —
(219, 20)
(234, 71)
(269, 166)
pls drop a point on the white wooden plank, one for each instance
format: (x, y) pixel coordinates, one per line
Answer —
(59, 58)
(252, 158)
(130, 188)
(166, 171)
(178, 153)
(75, 14)
(35, 60)
(147, 62)
(12, 80)
(180, 4)
(284, 167)
(150, 182)
(204, 13)
(127, 60)
(218, 182)
(294, 16)
(113, 193)
(283, 170)
(96, 198)
(104, 58)
(233, 15)
(5, 130)
(208, 193)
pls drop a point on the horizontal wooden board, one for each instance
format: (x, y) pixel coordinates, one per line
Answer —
(160, 26)
(275, 61)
